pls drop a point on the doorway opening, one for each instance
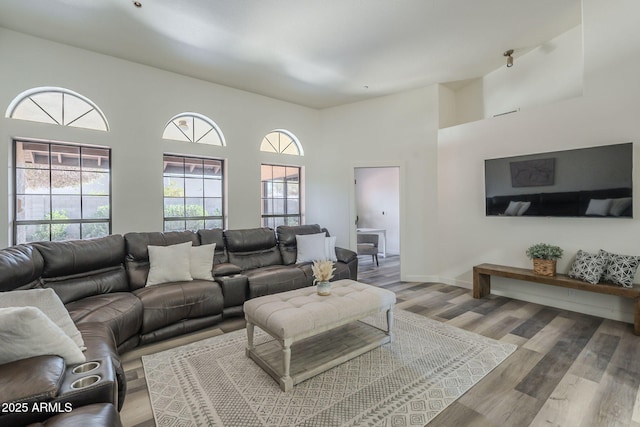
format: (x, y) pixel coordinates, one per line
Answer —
(377, 200)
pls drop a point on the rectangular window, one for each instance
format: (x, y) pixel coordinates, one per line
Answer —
(193, 193)
(61, 191)
(280, 194)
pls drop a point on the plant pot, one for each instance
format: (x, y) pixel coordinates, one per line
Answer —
(324, 288)
(544, 267)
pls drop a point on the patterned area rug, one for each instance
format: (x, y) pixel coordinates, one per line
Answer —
(404, 383)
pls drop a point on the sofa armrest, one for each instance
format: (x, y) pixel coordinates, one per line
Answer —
(101, 344)
(226, 269)
(235, 289)
(345, 255)
(30, 380)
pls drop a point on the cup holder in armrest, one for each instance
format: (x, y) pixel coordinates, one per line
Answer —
(85, 382)
(91, 382)
(86, 367)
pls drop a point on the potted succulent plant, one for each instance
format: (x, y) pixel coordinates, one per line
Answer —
(544, 258)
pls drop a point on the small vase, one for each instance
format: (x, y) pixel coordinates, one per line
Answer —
(324, 288)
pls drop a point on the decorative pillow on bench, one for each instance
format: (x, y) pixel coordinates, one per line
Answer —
(589, 267)
(621, 269)
(605, 267)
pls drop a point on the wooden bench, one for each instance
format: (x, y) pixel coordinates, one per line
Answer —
(482, 285)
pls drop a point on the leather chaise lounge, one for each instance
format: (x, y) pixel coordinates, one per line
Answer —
(102, 283)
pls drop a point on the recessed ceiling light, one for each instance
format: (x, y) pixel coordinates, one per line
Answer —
(137, 4)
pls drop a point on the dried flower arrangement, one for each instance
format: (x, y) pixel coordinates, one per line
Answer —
(322, 270)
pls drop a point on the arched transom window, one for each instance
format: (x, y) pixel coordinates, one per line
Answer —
(281, 141)
(193, 127)
(57, 106)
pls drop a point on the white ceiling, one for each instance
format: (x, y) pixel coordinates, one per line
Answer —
(318, 53)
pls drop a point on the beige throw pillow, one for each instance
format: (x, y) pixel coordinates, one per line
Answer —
(27, 332)
(201, 261)
(50, 304)
(315, 247)
(169, 264)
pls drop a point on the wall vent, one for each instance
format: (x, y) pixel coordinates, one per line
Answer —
(507, 112)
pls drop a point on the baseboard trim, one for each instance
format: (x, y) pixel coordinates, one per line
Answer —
(456, 282)
(419, 278)
(612, 307)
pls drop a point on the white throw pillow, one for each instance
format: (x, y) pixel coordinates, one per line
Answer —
(523, 208)
(330, 248)
(310, 247)
(598, 207)
(619, 205)
(512, 209)
(169, 264)
(50, 304)
(27, 332)
(315, 247)
(201, 261)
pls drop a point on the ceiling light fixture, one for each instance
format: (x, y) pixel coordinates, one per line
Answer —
(137, 4)
(509, 57)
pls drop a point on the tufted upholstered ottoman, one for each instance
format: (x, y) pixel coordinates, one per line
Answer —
(319, 330)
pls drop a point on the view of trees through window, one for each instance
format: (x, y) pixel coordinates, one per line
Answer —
(193, 193)
(280, 195)
(61, 191)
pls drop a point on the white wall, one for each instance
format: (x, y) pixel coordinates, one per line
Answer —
(378, 203)
(138, 101)
(545, 74)
(606, 114)
(396, 130)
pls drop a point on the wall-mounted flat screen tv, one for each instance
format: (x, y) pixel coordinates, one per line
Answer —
(586, 182)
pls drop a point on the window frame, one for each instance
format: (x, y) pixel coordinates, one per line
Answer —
(279, 150)
(50, 222)
(300, 215)
(191, 138)
(29, 93)
(223, 198)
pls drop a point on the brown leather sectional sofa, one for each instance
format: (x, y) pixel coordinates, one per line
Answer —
(102, 284)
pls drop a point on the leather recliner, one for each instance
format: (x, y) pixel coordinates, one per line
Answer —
(102, 284)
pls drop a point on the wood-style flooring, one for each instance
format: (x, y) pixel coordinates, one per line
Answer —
(570, 369)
